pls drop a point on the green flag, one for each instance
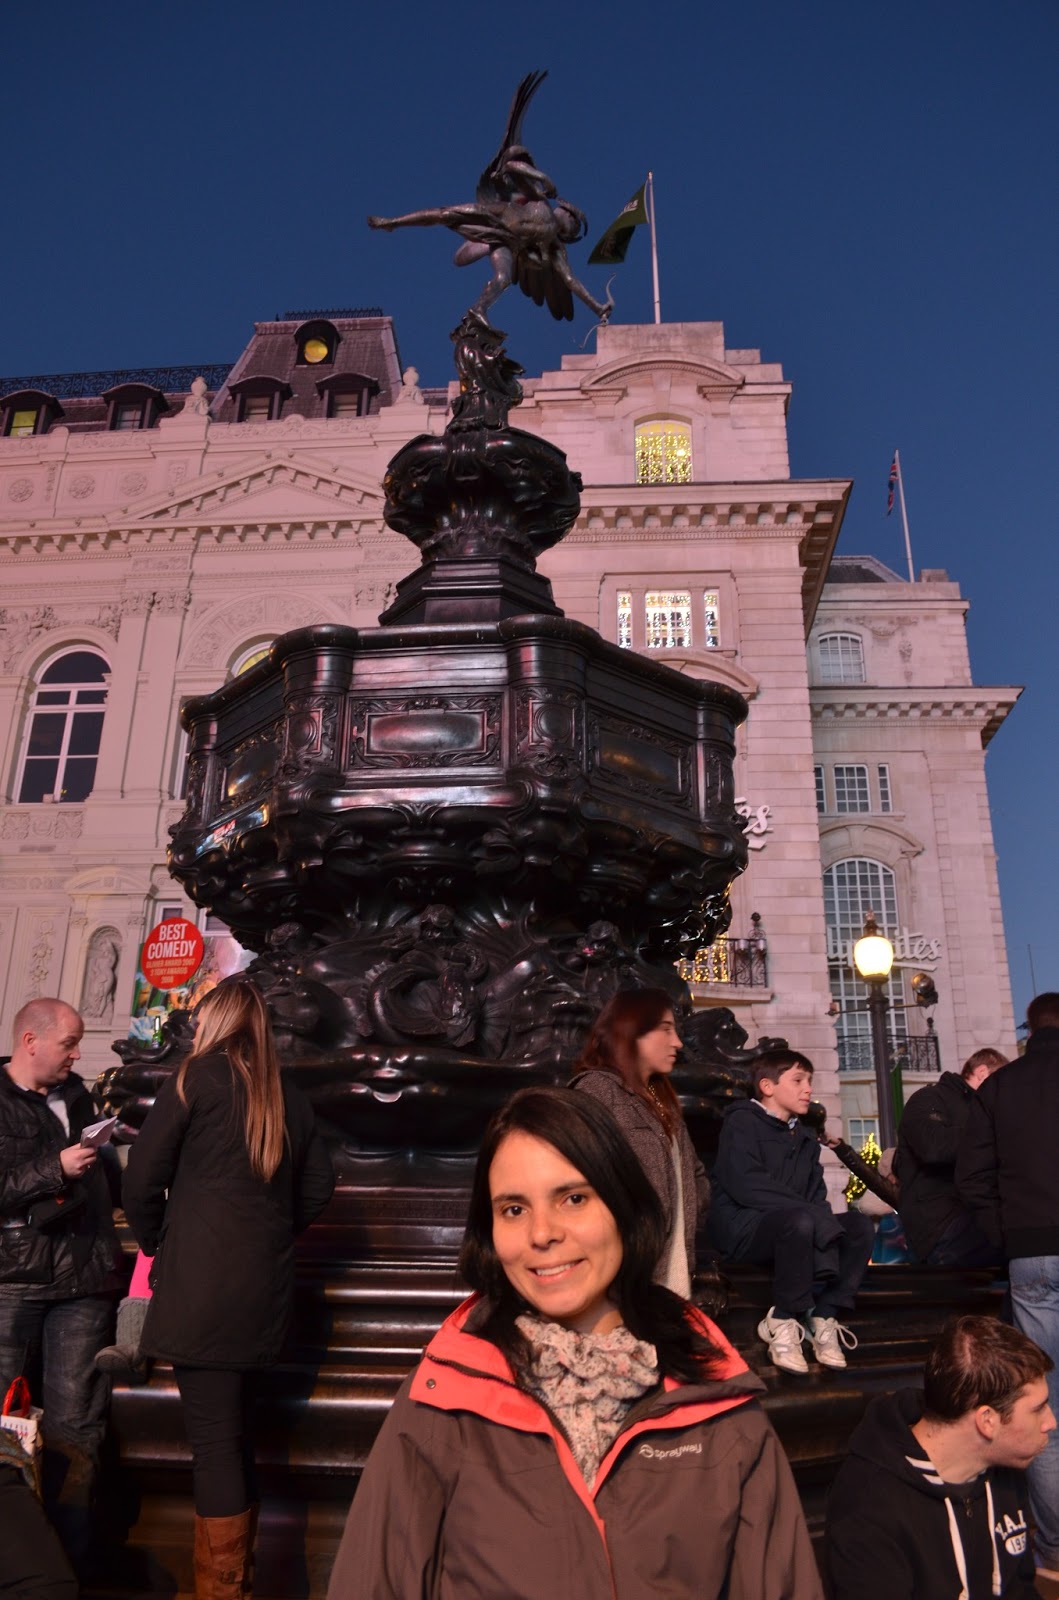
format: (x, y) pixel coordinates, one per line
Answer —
(615, 242)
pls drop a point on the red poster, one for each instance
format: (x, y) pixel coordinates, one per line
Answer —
(172, 953)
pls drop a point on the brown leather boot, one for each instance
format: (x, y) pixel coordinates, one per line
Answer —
(222, 1553)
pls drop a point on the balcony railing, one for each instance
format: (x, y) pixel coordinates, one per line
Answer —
(741, 963)
(919, 1054)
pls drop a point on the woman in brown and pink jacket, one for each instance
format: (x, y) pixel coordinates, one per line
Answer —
(574, 1428)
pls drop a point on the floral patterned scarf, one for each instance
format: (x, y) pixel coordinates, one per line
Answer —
(588, 1381)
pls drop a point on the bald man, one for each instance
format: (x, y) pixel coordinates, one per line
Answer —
(58, 1256)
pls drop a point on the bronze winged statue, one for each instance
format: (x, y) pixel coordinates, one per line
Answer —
(519, 221)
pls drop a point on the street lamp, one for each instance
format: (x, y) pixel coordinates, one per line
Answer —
(873, 956)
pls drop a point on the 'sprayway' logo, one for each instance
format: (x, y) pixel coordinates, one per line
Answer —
(653, 1453)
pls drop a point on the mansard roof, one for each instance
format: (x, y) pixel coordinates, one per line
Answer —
(361, 341)
(860, 569)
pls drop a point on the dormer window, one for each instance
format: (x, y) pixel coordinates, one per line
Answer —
(131, 406)
(27, 412)
(347, 394)
(259, 399)
(317, 342)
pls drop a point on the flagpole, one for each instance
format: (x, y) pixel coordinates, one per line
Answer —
(904, 517)
(654, 243)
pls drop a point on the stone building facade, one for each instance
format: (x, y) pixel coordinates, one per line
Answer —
(157, 533)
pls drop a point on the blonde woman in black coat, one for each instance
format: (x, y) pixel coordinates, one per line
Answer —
(626, 1064)
(227, 1168)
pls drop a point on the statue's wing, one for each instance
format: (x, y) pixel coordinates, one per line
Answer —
(537, 277)
(490, 184)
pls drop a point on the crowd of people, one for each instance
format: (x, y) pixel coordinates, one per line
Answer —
(578, 1413)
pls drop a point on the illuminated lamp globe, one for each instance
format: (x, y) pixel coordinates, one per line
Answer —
(873, 954)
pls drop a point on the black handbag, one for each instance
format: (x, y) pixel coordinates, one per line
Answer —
(51, 1213)
(25, 1256)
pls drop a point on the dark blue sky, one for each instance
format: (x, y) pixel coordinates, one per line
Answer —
(864, 192)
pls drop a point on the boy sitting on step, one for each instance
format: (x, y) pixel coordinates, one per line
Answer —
(770, 1208)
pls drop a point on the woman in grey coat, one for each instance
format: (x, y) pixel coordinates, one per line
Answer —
(626, 1064)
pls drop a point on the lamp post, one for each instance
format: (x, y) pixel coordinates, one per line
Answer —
(873, 956)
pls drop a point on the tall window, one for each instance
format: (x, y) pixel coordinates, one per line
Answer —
(885, 800)
(821, 794)
(851, 789)
(625, 619)
(663, 452)
(841, 658)
(711, 619)
(65, 727)
(851, 889)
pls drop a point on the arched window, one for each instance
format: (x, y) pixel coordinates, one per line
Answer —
(248, 657)
(317, 342)
(841, 657)
(65, 727)
(663, 451)
(851, 889)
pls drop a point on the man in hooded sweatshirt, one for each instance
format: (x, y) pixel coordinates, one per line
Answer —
(930, 1503)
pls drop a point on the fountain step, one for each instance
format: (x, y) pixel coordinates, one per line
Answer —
(360, 1331)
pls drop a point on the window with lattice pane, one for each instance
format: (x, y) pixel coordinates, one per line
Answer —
(851, 790)
(852, 888)
(65, 729)
(663, 452)
(667, 616)
(841, 657)
(821, 797)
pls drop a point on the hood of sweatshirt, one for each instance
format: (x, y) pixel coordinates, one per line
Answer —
(885, 1438)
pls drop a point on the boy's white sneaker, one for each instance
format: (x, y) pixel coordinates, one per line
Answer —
(783, 1336)
(828, 1336)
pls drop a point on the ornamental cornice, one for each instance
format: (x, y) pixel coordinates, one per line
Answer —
(983, 709)
(640, 511)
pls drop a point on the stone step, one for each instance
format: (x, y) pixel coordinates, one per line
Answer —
(360, 1330)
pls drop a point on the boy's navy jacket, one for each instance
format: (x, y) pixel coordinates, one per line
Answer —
(890, 1534)
(765, 1165)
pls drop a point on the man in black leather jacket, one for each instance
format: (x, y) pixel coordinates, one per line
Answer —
(58, 1256)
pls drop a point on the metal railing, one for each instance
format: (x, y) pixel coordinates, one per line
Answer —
(919, 1054)
(740, 963)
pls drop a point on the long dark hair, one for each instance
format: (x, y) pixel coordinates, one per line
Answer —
(585, 1134)
(233, 1018)
(611, 1047)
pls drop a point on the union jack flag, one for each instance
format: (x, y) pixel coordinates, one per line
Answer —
(893, 484)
